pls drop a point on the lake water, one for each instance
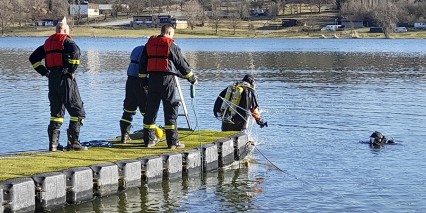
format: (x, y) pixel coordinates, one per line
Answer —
(319, 96)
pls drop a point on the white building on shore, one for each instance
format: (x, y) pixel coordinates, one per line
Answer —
(84, 10)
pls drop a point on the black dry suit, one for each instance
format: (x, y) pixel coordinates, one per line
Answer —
(240, 102)
(62, 57)
(135, 94)
(164, 61)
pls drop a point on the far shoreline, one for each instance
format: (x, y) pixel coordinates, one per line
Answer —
(208, 33)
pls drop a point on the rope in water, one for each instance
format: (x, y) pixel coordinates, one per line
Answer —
(303, 181)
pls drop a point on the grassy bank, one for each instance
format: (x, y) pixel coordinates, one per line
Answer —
(273, 30)
(30, 163)
(255, 27)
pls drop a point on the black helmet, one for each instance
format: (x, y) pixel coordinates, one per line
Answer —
(376, 137)
(249, 79)
(376, 134)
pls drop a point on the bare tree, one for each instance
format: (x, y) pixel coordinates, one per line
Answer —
(5, 14)
(417, 11)
(216, 21)
(60, 8)
(216, 16)
(300, 3)
(339, 3)
(273, 10)
(243, 9)
(282, 6)
(235, 20)
(116, 8)
(78, 15)
(159, 4)
(169, 5)
(386, 15)
(193, 11)
(293, 9)
(215, 6)
(251, 28)
(21, 9)
(311, 8)
(36, 10)
(257, 4)
(320, 3)
(136, 6)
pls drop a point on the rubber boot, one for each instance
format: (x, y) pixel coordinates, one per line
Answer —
(73, 142)
(54, 140)
(172, 138)
(149, 137)
(177, 145)
(125, 131)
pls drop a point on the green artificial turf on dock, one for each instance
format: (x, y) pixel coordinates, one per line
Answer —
(27, 164)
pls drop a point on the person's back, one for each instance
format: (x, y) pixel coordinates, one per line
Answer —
(164, 61)
(135, 96)
(236, 103)
(135, 55)
(62, 57)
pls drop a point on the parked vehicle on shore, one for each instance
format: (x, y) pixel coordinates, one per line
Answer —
(401, 30)
(334, 27)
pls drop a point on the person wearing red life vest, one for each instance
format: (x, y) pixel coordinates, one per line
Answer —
(62, 57)
(164, 61)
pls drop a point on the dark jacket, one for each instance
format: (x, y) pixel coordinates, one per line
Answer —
(71, 54)
(179, 65)
(247, 104)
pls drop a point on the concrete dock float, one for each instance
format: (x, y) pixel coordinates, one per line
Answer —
(47, 191)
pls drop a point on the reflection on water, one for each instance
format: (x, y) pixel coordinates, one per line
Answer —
(320, 98)
(226, 190)
(101, 79)
(283, 66)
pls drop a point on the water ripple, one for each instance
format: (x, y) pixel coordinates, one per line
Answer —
(319, 100)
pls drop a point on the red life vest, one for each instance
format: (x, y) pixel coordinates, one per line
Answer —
(158, 50)
(54, 47)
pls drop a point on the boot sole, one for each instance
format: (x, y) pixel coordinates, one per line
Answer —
(176, 147)
(150, 145)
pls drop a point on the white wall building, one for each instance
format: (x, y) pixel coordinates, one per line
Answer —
(84, 10)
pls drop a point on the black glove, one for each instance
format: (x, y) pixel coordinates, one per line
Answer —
(262, 123)
(144, 82)
(192, 79)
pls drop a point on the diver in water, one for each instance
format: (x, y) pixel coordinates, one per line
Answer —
(236, 103)
(378, 139)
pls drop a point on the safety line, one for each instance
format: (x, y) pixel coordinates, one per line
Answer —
(305, 182)
(229, 105)
(197, 127)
